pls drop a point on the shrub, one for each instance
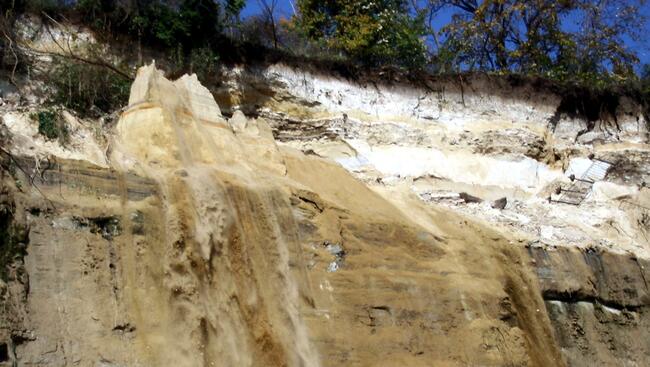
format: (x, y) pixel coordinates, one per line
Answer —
(374, 33)
(203, 62)
(171, 24)
(88, 89)
(51, 125)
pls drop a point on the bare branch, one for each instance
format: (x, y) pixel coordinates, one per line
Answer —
(12, 78)
(71, 55)
(31, 178)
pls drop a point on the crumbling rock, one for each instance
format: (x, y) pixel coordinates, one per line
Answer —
(223, 246)
(500, 203)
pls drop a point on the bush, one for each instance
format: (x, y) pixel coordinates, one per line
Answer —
(203, 62)
(51, 125)
(88, 89)
(373, 33)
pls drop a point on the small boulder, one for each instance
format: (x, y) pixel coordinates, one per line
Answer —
(470, 198)
(500, 203)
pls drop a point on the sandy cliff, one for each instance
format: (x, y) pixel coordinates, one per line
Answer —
(326, 228)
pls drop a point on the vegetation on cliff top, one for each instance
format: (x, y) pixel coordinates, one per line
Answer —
(572, 42)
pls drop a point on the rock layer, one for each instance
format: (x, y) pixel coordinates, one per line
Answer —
(201, 241)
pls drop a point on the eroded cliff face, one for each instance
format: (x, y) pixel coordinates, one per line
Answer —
(331, 224)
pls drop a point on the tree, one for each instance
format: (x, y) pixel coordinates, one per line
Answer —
(268, 17)
(232, 9)
(189, 24)
(503, 34)
(174, 24)
(601, 41)
(375, 32)
(645, 79)
(560, 39)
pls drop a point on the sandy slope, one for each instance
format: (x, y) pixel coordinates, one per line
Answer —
(207, 244)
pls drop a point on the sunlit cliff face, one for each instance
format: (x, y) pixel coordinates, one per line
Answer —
(268, 257)
(345, 225)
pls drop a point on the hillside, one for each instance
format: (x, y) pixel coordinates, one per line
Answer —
(288, 216)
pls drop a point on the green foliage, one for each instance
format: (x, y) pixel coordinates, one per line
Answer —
(375, 32)
(234, 7)
(187, 31)
(188, 23)
(203, 62)
(501, 36)
(86, 88)
(529, 37)
(51, 125)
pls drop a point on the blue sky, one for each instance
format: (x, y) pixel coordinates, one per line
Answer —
(284, 8)
(642, 47)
